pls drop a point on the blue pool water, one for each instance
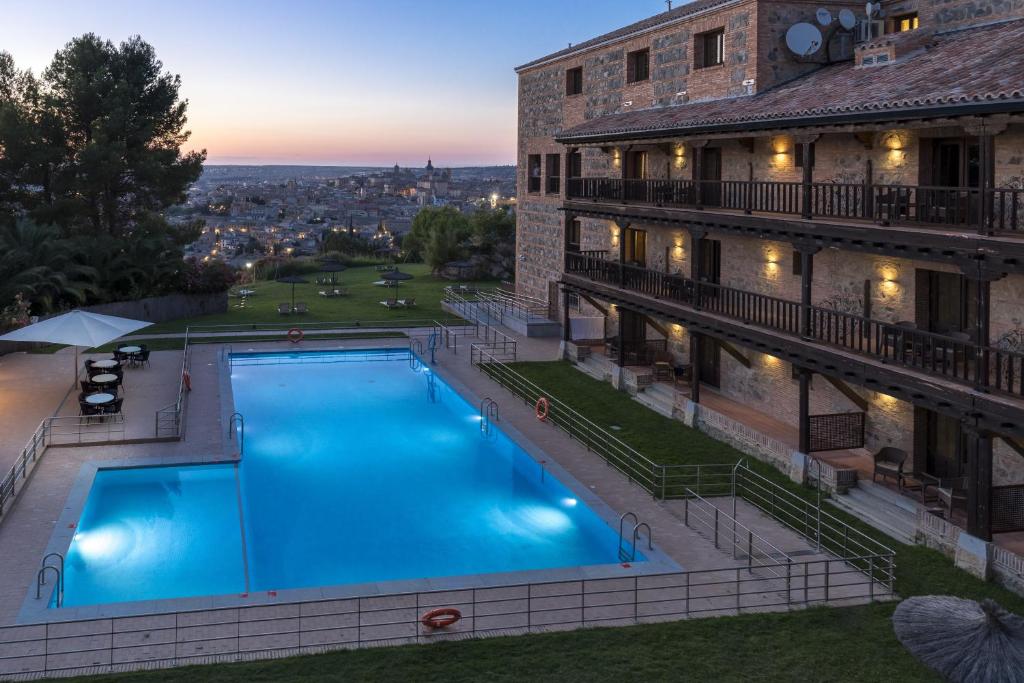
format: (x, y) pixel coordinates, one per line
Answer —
(356, 468)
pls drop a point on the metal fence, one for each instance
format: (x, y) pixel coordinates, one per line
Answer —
(279, 630)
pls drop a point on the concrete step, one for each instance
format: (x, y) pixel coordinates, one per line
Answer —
(880, 510)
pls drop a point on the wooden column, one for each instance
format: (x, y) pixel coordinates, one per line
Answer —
(622, 340)
(622, 254)
(979, 483)
(869, 190)
(806, 143)
(805, 410)
(986, 171)
(566, 327)
(806, 288)
(697, 163)
(696, 263)
(695, 340)
(984, 300)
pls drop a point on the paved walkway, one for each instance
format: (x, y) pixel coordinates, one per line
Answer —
(32, 387)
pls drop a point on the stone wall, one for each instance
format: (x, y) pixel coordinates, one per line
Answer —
(946, 15)
(157, 309)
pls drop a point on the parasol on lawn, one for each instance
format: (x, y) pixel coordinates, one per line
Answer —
(332, 267)
(962, 639)
(396, 276)
(293, 280)
(76, 328)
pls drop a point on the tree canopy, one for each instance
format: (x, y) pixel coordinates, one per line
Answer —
(486, 238)
(93, 148)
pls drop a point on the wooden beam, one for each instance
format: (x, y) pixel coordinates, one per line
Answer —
(658, 327)
(866, 138)
(848, 391)
(604, 311)
(1014, 444)
(735, 353)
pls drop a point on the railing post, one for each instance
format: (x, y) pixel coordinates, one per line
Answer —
(869, 191)
(807, 148)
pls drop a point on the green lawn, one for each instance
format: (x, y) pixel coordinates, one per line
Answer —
(362, 304)
(820, 644)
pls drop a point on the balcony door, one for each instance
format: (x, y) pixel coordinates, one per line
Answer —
(636, 166)
(709, 269)
(945, 302)
(711, 172)
(949, 163)
(938, 444)
(635, 247)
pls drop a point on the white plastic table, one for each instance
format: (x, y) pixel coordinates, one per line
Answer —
(105, 378)
(130, 349)
(99, 399)
(105, 363)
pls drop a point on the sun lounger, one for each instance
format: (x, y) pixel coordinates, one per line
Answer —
(301, 307)
(284, 309)
(392, 304)
(408, 303)
(380, 283)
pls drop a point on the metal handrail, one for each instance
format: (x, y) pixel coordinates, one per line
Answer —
(625, 557)
(488, 414)
(240, 419)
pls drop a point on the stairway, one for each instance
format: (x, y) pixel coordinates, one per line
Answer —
(882, 508)
(659, 397)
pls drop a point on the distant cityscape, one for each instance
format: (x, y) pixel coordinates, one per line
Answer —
(255, 211)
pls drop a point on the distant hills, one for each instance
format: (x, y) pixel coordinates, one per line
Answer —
(217, 173)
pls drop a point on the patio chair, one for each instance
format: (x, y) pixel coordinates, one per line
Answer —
(952, 492)
(284, 309)
(408, 303)
(301, 307)
(113, 408)
(88, 387)
(889, 463)
(86, 409)
(142, 357)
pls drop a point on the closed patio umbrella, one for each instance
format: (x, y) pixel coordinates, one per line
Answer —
(293, 280)
(76, 328)
(962, 639)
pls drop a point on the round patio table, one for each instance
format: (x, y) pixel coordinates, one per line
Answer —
(99, 399)
(105, 364)
(130, 349)
(106, 378)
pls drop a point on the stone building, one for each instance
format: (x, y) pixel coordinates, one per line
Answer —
(822, 224)
(432, 187)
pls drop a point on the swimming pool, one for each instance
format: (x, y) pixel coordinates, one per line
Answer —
(358, 466)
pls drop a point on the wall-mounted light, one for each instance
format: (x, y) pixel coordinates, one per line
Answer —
(680, 156)
(895, 143)
(889, 275)
(771, 361)
(884, 400)
(615, 235)
(771, 265)
(616, 158)
(782, 149)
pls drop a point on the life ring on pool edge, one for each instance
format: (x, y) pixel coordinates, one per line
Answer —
(295, 335)
(542, 408)
(186, 379)
(440, 617)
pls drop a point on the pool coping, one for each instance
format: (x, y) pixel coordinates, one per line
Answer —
(36, 611)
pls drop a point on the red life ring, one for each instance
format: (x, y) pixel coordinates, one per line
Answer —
(542, 408)
(295, 335)
(440, 617)
(187, 379)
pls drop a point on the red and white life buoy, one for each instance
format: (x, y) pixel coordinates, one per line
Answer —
(295, 335)
(542, 408)
(440, 617)
(186, 380)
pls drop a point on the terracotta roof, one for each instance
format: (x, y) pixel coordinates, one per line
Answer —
(983, 67)
(643, 25)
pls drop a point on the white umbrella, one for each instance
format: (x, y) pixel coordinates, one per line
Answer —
(76, 328)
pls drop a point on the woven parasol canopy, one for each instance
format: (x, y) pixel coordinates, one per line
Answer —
(962, 639)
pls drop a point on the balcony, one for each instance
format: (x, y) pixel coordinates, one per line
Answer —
(952, 357)
(994, 211)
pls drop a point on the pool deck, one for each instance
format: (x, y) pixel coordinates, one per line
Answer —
(38, 521)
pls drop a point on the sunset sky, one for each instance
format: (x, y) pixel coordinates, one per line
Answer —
(343, 82)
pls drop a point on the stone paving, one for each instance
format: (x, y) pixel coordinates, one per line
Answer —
(27, 531)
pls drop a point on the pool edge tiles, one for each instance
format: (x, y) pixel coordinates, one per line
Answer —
(655, 561)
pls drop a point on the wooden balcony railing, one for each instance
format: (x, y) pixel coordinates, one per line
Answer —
(948, 356)
(1000, 210)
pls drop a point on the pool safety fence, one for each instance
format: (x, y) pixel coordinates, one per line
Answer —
(801, 512)
(101, 646)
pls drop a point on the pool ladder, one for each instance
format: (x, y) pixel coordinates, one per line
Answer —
(41, 577)
(415, 350)
(488, 414)
(237, 418)
(629, 554)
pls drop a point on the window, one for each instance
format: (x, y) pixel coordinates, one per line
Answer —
(798, 155)
(638, 66)
(904, 22)
(574, 165)
(574, 81)
(710, 49)
(573, 238)
(533, 173)
(554, 163)
(636, 166)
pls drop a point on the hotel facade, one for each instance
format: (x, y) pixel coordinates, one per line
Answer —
(821, 226)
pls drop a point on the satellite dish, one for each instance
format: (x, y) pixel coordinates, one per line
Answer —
(823, 16)
(847, 19)
(870, 9)
(803, 39)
